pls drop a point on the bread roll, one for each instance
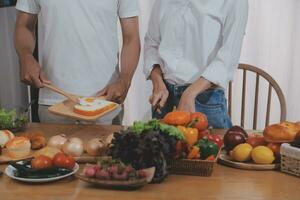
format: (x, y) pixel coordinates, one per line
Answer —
(18, 147)
(280, 133)
(5, 136)
(37, 139)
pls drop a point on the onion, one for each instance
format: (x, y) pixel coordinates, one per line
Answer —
(95, 147)
(73, 147)
(109, 139)
(57, 141)
(76, 140)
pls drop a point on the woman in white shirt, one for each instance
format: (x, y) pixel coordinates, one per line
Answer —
(192, 50)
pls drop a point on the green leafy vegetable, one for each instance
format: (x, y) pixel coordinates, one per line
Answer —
(155, 125)
(10, 119)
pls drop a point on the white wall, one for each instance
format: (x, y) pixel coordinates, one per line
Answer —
(13, 94)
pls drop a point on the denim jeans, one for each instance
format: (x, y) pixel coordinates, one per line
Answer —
(211, 102)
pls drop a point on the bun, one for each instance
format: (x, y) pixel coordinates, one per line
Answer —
(18, 147)
(5, 136)
(37, 139)
(282, 132)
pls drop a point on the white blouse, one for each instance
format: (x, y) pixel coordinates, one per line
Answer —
(194, 38)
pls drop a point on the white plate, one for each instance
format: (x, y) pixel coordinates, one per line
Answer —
(9, 171)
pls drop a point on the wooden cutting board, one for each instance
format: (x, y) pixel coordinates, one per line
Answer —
(5, 158)
(65, 109)
(226, 160)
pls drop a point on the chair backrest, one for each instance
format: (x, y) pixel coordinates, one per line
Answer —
(272, 85)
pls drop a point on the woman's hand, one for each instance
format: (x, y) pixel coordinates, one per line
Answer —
(160, 92)
(187, 100)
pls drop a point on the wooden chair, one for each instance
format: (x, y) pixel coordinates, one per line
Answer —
(272, 85)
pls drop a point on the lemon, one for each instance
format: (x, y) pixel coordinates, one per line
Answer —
(242, 152)
(262, 155)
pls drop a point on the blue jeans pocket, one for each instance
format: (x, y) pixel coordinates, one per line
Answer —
(213, 104)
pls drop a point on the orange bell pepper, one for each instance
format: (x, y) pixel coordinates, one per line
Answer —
(190, 134)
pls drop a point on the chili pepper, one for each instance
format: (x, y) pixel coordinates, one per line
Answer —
(190, 134)
(207, 148)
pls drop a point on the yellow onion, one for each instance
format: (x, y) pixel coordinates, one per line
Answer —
(95, 147)
(57, 141)
(73, 147)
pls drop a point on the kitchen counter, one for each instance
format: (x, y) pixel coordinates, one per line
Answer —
(225, 182)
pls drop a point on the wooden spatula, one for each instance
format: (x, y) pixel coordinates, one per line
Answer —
(72, 97)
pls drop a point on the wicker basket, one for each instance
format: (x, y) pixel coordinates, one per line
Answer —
(290, 159)
(191, 167)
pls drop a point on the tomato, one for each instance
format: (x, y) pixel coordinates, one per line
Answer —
(218, 140)
(41, 162)
(202, 134)
(275, 147)
(62, 160)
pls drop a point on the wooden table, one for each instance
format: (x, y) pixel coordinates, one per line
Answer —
(225, 183)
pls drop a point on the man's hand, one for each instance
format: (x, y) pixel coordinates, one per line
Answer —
(115, 92)
(31, 73)
(30, 70)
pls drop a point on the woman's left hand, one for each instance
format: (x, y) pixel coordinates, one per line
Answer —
(187, 102)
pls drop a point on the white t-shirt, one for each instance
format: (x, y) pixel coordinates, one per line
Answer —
(78, 42)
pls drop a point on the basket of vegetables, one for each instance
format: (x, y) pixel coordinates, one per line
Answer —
(197, 153)
(179, 144)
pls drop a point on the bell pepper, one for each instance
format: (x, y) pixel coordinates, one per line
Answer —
(194, 153)
(207, 148)
(216, 139)
(190, 134)
(211, 158)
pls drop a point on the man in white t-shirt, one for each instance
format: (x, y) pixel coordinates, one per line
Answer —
(78, 48)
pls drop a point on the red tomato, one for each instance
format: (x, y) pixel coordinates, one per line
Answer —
(62, 160)
(218, 140)
(41, 162)
(202, 123)
(202, 134)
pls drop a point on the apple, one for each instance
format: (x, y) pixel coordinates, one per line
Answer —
(231, 140)
(256, 140)
(237, 129)
(233, 137)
